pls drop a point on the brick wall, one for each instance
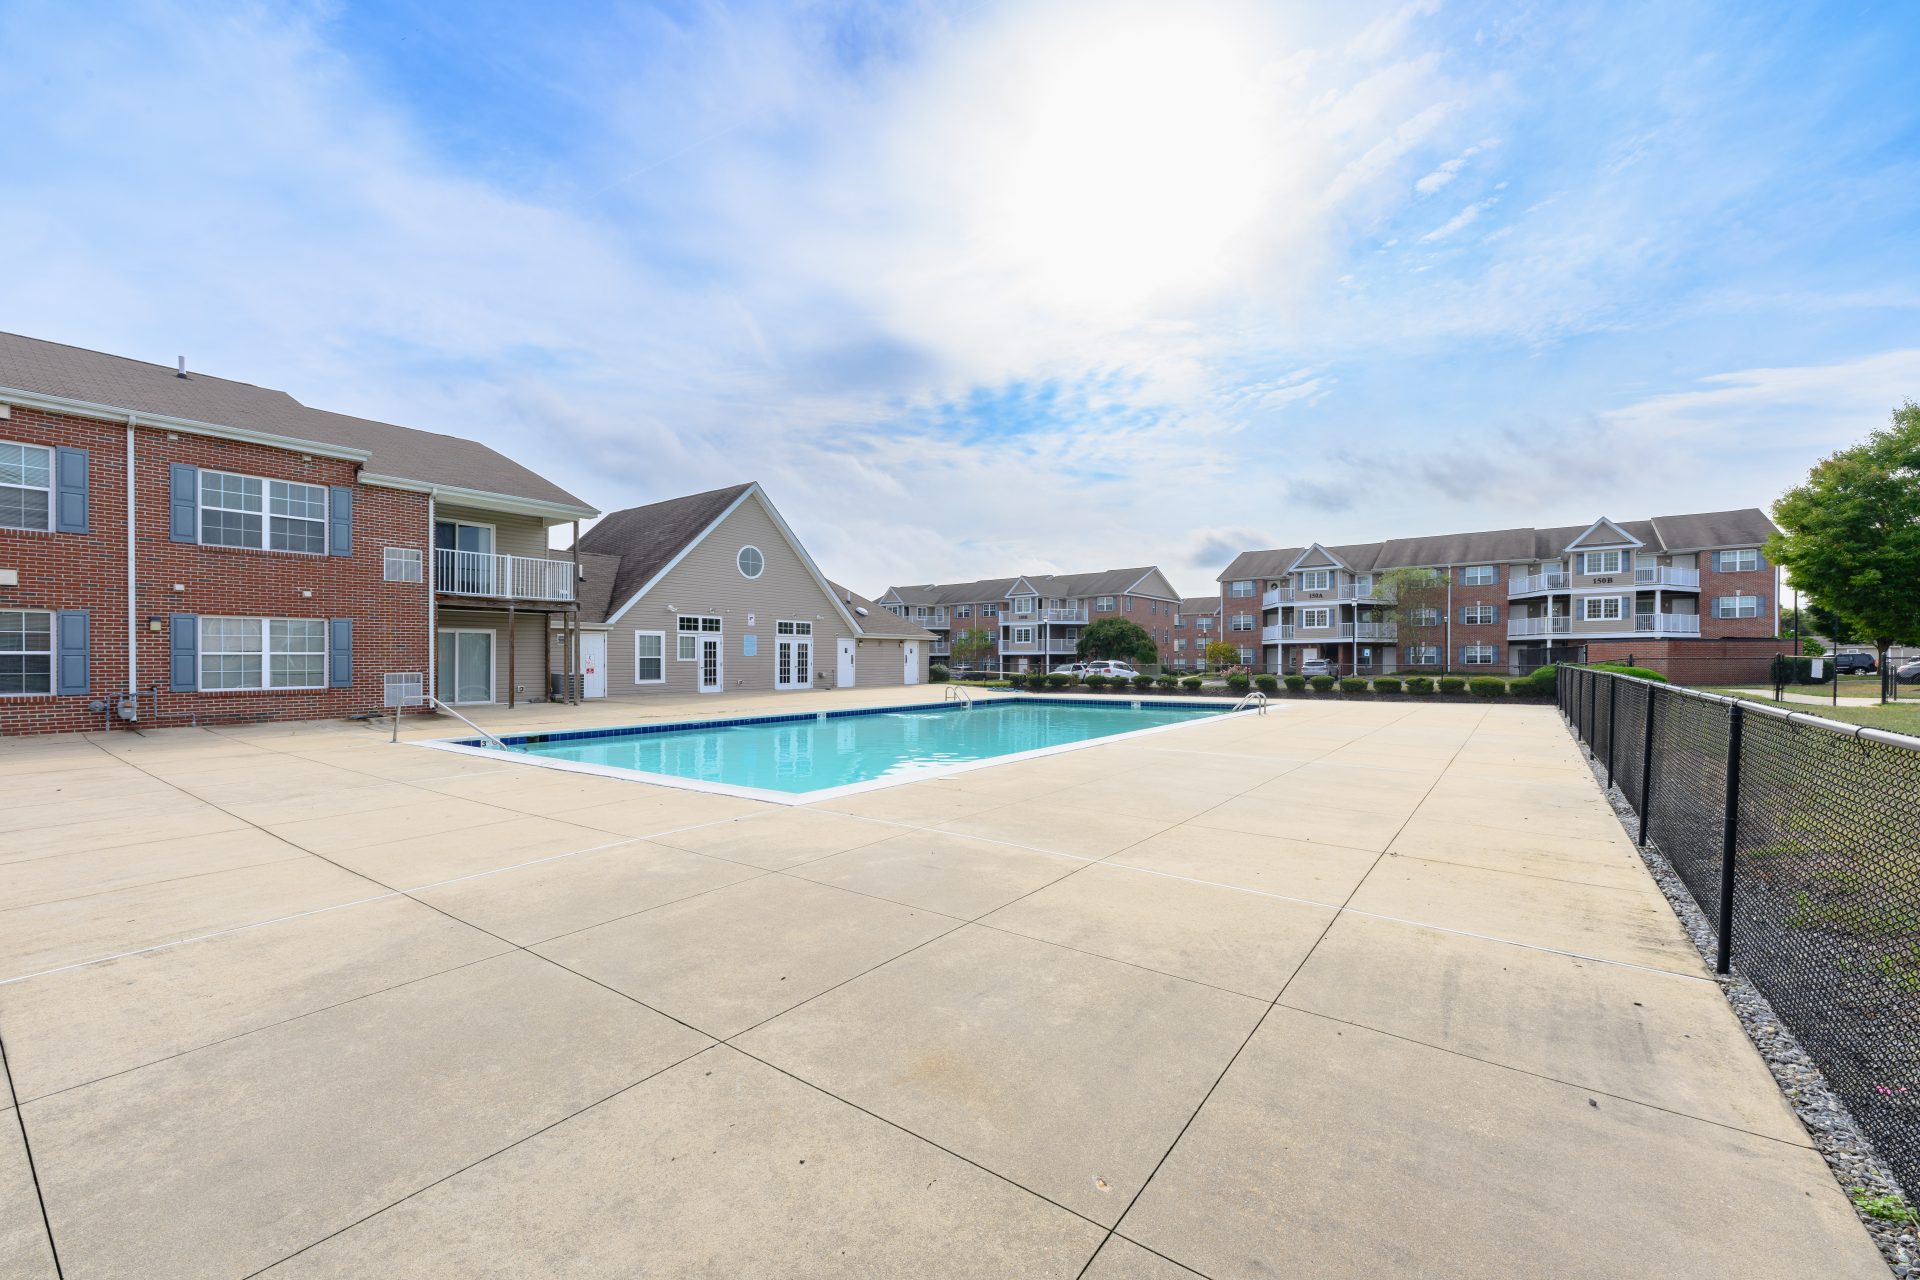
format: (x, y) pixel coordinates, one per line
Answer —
(1728, 661)
(1758, 582)
(1493, 633)
(69, 571)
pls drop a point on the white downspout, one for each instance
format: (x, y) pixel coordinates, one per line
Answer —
(433, 613)
(133, 590)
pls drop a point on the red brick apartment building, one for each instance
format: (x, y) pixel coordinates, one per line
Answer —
(1036, 619)
(1679, 594)
(1196, 624)
(180, 549)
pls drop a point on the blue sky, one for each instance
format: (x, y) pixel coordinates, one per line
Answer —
(977, 288)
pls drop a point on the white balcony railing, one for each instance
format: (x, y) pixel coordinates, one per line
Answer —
(1062, 615)
(1275, 632)
(1274, 595)
(1668, 624)
(481, 573)
(1522, 584)
(1667, 576)
(1377, 631)
(1521, 628)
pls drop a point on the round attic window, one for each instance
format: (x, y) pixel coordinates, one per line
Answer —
(751, 562)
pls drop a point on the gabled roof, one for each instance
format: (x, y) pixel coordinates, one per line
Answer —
(1605, 533)
(1100, 582)
(869, 619)
(74, 376)
(597, 575)
(1317, 557)
(1747, 527)
(1199, 604)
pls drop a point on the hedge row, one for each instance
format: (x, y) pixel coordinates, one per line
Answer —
(1539, 685)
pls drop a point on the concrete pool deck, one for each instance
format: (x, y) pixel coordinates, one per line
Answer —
(1343, 990)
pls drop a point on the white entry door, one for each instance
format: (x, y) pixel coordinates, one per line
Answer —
(712, 675)
(911, 650)
(593, 664)
(793, 655)
(844, 678)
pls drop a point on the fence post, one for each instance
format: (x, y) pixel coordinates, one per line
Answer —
(1613, 724)
(1729, 834)
(1646, 770)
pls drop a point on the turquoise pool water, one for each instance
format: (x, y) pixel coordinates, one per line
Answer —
(810, 752)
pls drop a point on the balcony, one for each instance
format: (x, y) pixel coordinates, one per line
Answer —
(1274, 633)
(1521, 584)
(1667, 624)
(494, 577)
(1656, 576)
(1523, 628)
(931, 618)
(1275, 596)
(1061, 615)
(1377, 631)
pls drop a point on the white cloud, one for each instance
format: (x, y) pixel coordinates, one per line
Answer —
(1462, 219)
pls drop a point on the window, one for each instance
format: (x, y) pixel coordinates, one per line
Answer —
(401, 564)
(689, 629)
(263, 653)
(1478, 655)
(1126, 604)
(964, 611)
(649, 657)
(1316, 618)
(1363, 584)
(794, 628)
(920, 611)
(1745, 561)
(1599, 562)
(1204, 622)
(1479, 615)
(1180, 645)
(1246, 656)
(26, 489)
(989, 610)
(26, 651)
(1023, 604)
(1316, 579)
(274, 515)
(1240, 589)
(1240, 622)
(1023, 635)
(1600, 608)
(1736, 607)
(1426, 618)
(1103, 604)
(1423, 655)
(750, 561)
(1479, 575)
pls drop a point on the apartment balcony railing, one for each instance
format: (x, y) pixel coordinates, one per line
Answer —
(1663, 576)
(1668, 624)
(1274, 633)
(1061, 615)
(1377, 631)
(1522, 628)
(931, 618)
(481, 573)
(1274, 596)
(1346, 631)
(1525, 584)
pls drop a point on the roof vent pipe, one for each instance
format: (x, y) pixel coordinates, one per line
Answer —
(183, 368)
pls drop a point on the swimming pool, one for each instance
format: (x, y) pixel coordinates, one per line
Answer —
(820, 755)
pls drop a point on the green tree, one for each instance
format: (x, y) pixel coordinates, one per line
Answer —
(1406, 597)
(1850, 536)
(973, 646)
(1221, 654)
(1118, 638)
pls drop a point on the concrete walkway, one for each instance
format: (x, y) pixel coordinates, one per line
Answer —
(1348, 990)
(1813, 699)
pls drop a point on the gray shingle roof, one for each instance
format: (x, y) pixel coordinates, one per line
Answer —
(1100, 582)
(75, 373)
(876, 621)
(1747, 527)
(1199, 604)
(597, 576)
(644, 539)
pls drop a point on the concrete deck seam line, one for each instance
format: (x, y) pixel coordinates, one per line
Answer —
(33, 1168)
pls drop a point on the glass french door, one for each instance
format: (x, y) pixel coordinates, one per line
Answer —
(710, 673)
(465, 666)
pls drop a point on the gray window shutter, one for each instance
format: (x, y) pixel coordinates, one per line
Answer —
(70, 491)
(340, 520)
(1496, 614)
(183, 652)
(340, 653)
(71, 651)
(183, 504)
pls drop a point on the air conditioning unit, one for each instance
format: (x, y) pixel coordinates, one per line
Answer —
(405, 689)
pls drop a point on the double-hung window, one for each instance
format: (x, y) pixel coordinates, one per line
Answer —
(1736, 607)
(1423, 655)
(689, 628)
(269, 515)
(1745, 561)
(1478, 655)
(1240, 622)
(26, 651)
(1600, 609)
(964, 611)
(1600, 562)
(26, 487)
(1479, 575)
(1103, 604)
(1240, 589)
(263, 653)
(649, 657)
(1478, 614)
(1023, 635)
(1204, 622)
(989, 610)
(1425, 618)
(1316, 619)
(1316, 579)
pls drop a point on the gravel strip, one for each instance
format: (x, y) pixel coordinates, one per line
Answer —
(1848, 1152)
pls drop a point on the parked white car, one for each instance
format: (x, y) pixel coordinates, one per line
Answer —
(1074, 669)
(1316, 667)
(1113, 670)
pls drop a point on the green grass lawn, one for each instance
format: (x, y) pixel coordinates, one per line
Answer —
(1897, 717)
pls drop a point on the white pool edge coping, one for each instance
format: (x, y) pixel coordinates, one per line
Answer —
(852, 788)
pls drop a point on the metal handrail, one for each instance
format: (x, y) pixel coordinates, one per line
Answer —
(958, 693)
(1886, 737)
(1254, 699)
(427, 699)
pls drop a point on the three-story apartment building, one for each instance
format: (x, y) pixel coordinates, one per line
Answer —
(1196, 624)
(1034, 621)
(179, 549)
(1660, 590)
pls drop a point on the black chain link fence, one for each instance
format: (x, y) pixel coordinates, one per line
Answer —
(1801, 843)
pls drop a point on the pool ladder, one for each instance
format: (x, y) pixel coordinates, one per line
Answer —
(427, 699)
(956, 693)
(1255, 700)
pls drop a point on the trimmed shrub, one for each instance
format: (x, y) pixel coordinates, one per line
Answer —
(1321, 684)
(1353, 684)
(936, 674)
(1190, 682)
(1386, 684)
(1016, 679)
(1165, 681)
(1058, 680)
(1789, 669)
(1143, 682)
(1625, 670)
(1421, 685)
(1295, 682)
(1238, 682)
(1488, 687)
(1096, 682)
(1453, 684)
(1266, 683)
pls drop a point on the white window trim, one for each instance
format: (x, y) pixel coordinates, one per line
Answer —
(1323, 613)
(1720, 603)
(1023, 635)
(1239, 590)
(1478, 615)
(1468, 578)
(1316, 580)
(1721, 559)
(743, 569)
(493, 661)
(53, 643)
(266, 513)
(266, 651)
(1587, 613)
(1587, 558)
(1479, 655)
(661, 636)
(391, 556)
(683, 632)
(53, 461)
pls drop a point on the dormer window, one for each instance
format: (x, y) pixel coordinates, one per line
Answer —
(1316, 579)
